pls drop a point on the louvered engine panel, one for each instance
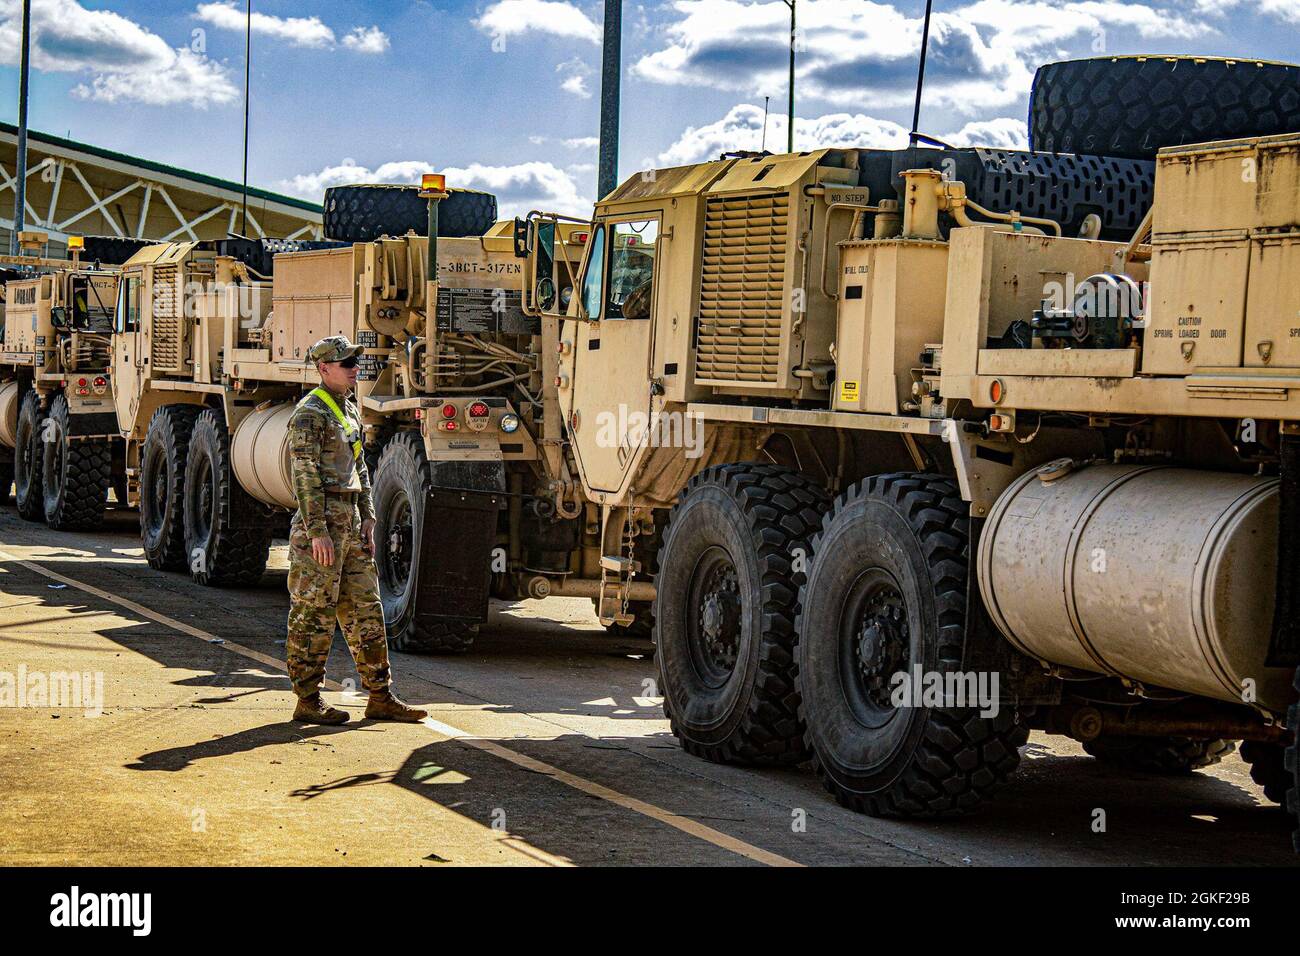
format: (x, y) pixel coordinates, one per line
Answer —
(167, 347)
(742, 291)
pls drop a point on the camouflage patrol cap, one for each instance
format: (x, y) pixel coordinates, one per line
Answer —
(333, 348)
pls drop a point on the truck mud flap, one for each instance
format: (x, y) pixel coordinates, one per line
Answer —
(93, 425)
(456, 542)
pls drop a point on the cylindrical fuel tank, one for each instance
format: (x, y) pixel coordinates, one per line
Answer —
(259, 453)
(1162, 575)
(8, 413)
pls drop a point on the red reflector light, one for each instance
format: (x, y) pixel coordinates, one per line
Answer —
(478, 410)
(579, 237)
(81, 382)
(450, 426)
(101, 382)
(449, 411)
(419, 413)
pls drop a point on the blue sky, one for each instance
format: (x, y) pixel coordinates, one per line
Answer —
(503, 94)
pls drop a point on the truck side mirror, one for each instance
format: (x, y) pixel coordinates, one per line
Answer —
(545, 293)
(521, 238)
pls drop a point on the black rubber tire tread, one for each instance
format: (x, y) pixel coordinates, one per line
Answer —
(1131, 106)
(782, 509)
(363, 213)
(1267, 764)
(405, 453)
(960, 758)
(77, 499)
(29, 492)
(171, 425)
(1166, 755)
(111, 250)
(236, 550)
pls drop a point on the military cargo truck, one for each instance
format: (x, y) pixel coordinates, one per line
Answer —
(56, 392)
(987, 441)
(473, 493)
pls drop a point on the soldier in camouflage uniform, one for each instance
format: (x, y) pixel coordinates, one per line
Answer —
(332, 574)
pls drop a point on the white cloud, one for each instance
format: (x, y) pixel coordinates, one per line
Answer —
(981, 56)
(367, 40)
(518, 188)
(299, 31)
(508, 18)
(575, 73)
(189, 78)
(1288, 10)
(742, 129)
(577, 85)
(582, 142)
(121, 59)
(1005, 132)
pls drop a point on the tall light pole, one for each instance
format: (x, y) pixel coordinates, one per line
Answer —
(248, 66)
(610, 79)
(789, 133)
(20, 185)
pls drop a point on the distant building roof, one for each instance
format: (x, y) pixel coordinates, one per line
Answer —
(34, 136)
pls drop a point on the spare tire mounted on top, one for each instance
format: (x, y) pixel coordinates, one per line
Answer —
(364, 213)
(1131, 106)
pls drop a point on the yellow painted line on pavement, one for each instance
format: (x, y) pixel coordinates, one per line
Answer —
(581, 784)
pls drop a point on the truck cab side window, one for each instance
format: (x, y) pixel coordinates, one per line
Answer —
(128, 304)
(632, 268)
(594, 280)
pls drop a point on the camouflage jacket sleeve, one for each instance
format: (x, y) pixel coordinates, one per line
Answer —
(365, 501)
(305, 430)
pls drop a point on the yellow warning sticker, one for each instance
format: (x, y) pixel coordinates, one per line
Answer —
(848, 391)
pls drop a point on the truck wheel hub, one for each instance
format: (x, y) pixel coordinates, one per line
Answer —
(718, 617)
(883, 641)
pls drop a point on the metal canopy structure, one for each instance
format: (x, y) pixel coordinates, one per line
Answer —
(77, 189)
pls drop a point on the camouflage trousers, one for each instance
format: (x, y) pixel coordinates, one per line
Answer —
(346, 593)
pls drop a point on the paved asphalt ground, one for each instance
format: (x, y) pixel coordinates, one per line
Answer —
(542, 749)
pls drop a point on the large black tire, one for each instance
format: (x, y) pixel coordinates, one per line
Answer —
(1169, 755)
(162, 486)
(886, 593)
(75, 474)
(400, 487)
(1130, 106)
(29, 454)
(111, 250)
(364, 213)
(227, 532)
(725, 605)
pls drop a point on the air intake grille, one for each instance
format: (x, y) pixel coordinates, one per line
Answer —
(738, 339)
(167, 351)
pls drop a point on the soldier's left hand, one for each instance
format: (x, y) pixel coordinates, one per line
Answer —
(368, 536)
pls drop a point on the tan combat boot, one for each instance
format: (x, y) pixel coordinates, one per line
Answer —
(313, 710)
(385, 705)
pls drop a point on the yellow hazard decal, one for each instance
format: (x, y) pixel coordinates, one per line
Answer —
(848, 391)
